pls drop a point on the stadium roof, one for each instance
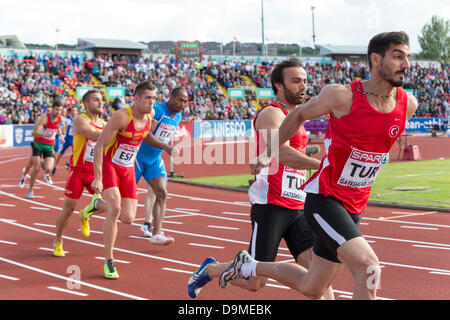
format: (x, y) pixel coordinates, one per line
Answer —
(89, 43)
(11, 41)
(331, 49)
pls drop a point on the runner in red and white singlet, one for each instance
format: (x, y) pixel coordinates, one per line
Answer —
(277, 201)
(283, 187)
(366, 119)
(353, 161)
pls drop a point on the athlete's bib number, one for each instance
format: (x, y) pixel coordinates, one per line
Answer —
(164, 132)
(362, 168)
(53, 133)
(89, 154)
(291, 182)
(125, 155)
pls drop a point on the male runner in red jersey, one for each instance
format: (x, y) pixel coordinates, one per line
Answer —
(44, 142)
(367, 117)
(86, 130)
(277, 201)
(114, 155)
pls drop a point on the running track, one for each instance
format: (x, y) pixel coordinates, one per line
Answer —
(414, 250)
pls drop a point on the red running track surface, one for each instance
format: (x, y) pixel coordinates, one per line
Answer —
(414, 250)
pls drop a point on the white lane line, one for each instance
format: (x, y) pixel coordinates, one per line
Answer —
(205, 245)
(440, 273)
(220, 227)
(9, 277)
(101, 245)
(44, 225)
(7, 205)
(187, 209)
(413, 267)
(203, 236)
(211, 216)
(11, 160)
(68, 291)
(138, 237)
(72, 280)
(115, 260)
(235, 213)
(421, 228)
(409, 222)
(172, 222)
(50, 249)
(177, 270)
(40, 208)
(8, 242)
(408, 241)
(431, 247)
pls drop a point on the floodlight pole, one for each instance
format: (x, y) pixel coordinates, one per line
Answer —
(314, 31)
(263, 50)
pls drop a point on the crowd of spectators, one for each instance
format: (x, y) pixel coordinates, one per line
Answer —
(29, 85)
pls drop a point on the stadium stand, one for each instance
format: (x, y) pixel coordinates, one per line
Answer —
(28, 84)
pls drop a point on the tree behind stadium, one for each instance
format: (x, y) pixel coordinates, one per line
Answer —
(435, 40)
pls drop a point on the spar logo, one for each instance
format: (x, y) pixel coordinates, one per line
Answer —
(369, 157)
(394, 131)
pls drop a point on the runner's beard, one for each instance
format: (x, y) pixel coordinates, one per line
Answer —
(391, 80)
(291, 97)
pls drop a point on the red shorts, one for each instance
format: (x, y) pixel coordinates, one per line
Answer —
(77, 180)
(119, 177)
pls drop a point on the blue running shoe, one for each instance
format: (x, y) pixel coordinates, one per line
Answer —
(199, 278)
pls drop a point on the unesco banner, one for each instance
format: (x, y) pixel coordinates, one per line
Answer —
(220, 129)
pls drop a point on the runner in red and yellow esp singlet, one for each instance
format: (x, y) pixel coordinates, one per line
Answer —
(114, 155)
(86, 128)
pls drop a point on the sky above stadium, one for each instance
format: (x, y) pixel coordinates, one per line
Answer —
(337, 22)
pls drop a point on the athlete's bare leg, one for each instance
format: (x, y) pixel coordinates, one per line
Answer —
(116, 208)
(63, 218)
(357, 255)
(159, 186)
(34, 172)
(112, 199)
(149, 203)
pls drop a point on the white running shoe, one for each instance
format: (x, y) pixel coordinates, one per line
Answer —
(161, 239)
(48, 178)
(30, 195)
(147, 230)
(234, 269)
